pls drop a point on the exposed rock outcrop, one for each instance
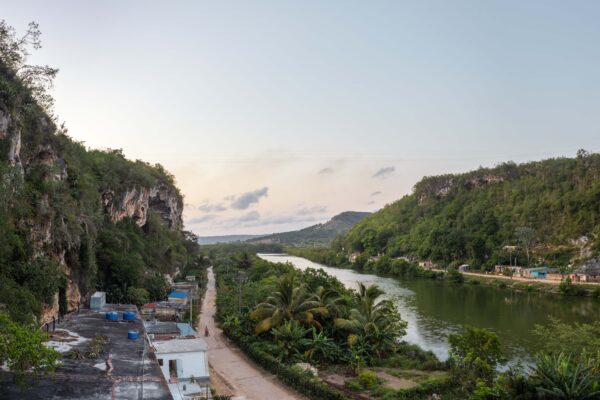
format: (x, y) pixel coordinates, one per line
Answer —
(136, 202)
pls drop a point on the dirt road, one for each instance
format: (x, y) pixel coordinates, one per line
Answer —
(243, 378)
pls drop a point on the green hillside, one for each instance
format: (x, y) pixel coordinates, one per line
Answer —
(74, 220)
(550, 207)
(316, 235)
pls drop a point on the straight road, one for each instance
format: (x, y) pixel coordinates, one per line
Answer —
(245, 379)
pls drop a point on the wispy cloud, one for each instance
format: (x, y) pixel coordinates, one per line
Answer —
(377, 193)
(371, 202)
(384, 173)
(326, 171)
(208, 207)
(245, 200)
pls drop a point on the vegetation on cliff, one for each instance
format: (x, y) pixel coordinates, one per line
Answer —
(468, 218)
(67, 224)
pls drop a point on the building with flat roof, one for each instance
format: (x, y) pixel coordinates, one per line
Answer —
(124, 369)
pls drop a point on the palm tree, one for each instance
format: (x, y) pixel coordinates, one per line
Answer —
(563, 377)
(290, 340)
(374, 321)
(321, 348)
(332, 300)
(289, 301)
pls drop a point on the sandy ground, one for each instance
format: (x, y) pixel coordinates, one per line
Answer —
(233, 373)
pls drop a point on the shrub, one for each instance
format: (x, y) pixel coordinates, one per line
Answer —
(368, 379)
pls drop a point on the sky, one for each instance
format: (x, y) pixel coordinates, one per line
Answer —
(275, 115)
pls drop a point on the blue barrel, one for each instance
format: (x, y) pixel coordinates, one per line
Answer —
(133, 335)
(129, 316)
(112, 316)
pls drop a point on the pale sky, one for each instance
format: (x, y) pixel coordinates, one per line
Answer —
(275, 115)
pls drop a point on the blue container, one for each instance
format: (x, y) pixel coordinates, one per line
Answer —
(112, 316)
(129, 316)
(133, 335)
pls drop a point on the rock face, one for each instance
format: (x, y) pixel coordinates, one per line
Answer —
(49, 235)
(136, 202)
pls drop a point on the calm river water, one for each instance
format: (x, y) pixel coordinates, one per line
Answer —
(435, 308)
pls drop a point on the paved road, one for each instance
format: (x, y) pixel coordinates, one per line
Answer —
(244, 378)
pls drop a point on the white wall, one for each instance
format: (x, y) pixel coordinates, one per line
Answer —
(189, 364)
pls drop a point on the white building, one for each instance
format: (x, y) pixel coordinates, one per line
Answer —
(184, 364)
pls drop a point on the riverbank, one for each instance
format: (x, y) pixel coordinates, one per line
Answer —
(397, 268)
(434, 308)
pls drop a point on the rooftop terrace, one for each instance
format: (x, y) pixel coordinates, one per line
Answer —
(125, 369)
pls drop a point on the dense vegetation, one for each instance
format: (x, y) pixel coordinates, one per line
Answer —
(55, 233)
(282, 316)
(468, 218)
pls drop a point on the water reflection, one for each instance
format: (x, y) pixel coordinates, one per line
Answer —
(434, 308)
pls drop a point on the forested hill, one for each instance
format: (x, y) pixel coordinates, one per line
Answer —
(74, 220)
(315, 235)
(550, 207)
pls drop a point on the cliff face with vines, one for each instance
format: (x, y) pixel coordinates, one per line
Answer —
(58, 198)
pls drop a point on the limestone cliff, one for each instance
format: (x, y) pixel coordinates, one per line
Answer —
(64, 193)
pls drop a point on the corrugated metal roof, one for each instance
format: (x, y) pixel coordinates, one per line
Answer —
(178, 295)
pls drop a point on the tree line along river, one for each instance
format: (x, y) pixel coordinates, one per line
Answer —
(435, 308)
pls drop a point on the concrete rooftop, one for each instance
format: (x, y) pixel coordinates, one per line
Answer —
(132, 377)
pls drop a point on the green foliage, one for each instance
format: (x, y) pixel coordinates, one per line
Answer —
(51, 206)
(368, 379)
(562, 376)
(23, 351)
(137, 296)
(560, 337)
(290, 340)
(470, 216)
(568, 288)
(474, 355)
(452, 275)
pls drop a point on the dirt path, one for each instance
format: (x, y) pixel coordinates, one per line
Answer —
(235, 373)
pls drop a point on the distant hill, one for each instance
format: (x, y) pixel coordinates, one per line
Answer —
(315, 235)
(225, 239)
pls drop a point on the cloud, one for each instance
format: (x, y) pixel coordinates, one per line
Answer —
(202, 219)
(326, 171)
(245, 200)
(384, 173)
(207, 207)
(371, 202)
(377, 193)
(249, 217)
(312, 210)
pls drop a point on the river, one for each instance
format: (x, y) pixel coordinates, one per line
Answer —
(435, 308)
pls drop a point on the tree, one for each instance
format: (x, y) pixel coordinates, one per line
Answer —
(289, 301)
(320, 347)
(562, 376)
(23, 351)
(526, 237)
(474, 355)
(138, 296)
(290, 340)
(14, 51)
(373, 320)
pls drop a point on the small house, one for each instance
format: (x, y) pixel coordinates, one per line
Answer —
(184, 364)
(148, 309)
(177, 296)
(190, 278)
(427, 264)
(537, 273)
(589, 271)
(503, 269)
